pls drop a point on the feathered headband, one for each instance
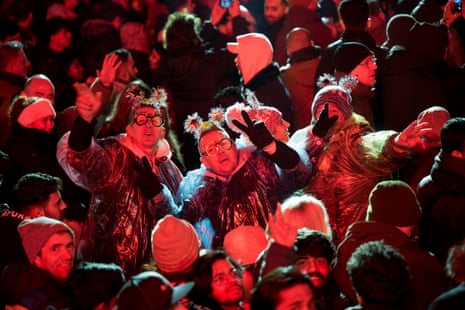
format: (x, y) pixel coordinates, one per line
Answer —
(196, 126)
(137, 97)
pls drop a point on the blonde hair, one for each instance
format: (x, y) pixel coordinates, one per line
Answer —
(306, 211)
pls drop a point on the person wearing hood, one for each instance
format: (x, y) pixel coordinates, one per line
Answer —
(260, 74)
(411, 80)
(392, 215)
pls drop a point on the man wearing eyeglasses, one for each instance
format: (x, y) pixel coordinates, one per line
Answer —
(131, 177)
(238, 186)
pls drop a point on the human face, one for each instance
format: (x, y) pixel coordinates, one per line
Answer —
(332, 111)
(57, 255)
(227, 288)
(75, 70)
(224, 162)
(281, 131)
(46, 124)
(275, 11)
(365, 72)
(317, 268)
(128, 70)
(147, 135)
(54, 206)
(297, 297)
(40, 87)
(61, 39)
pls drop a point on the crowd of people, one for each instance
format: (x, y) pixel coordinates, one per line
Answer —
(226, 155)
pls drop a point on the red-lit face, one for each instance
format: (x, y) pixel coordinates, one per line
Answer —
(275, 11)
(227, 288)
(297, 297)
(219, 160)
(365, 72)
(57, 255)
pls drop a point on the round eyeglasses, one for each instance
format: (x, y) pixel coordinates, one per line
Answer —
(212, 149)
(223, 278)
(142, 119)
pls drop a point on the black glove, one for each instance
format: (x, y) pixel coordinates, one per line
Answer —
(147, 181)
(285, 156)
(256, 130)
(324, 124)
(81, 134)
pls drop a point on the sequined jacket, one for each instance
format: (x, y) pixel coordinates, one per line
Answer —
(353, 161)
(247, 197)
(119, 220)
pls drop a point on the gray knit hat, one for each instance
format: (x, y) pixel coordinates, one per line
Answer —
(35, 233)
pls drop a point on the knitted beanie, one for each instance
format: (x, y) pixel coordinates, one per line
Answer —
(245, 243)
(337, 96)
(395, 203)
(175, 244)
(269, 115)
(35, 233)
(349, 55)
(27, 110)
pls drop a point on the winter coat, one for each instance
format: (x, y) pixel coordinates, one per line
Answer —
(442, 197)
(33, 288)
(409, 87)
(453, 299)
(247, 197)
(298, 78)
(428, 277)
(11, 247)
(354, 160)
(10, 85)
(32, 150)
(120, 219)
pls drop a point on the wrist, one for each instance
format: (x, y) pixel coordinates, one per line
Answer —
(270, 149)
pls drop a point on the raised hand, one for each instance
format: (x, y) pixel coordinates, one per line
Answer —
(324, 123)
(110, 65)
(411, 137)
(281, 232)
(88, 104)
(255, 130)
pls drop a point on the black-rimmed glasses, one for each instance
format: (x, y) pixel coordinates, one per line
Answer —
(142, 119)
(212, 149)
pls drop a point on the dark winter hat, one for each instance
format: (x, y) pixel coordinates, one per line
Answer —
(349, 55)
(428, 40)
(397, 29)
(35, 232)
(150, 290)
(393, 202)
